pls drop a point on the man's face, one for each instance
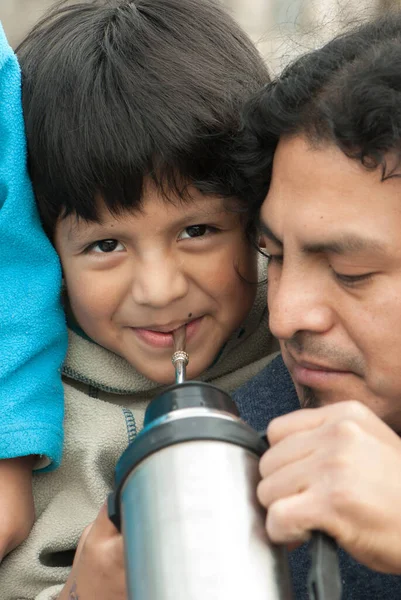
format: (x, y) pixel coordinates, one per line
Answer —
(133, 279)
(334, 280)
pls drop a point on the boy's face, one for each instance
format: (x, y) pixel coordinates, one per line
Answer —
(334, 282)
(134, 278)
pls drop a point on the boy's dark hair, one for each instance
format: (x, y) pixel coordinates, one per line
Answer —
(115, 91)
(347, 93)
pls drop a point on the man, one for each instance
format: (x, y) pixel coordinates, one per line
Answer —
(324, 142)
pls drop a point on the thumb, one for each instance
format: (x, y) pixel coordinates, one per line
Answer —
(101, 526)
(105, 527)
(82, 541)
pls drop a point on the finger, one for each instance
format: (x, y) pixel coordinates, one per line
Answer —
(312, 418)
(82, 541)
(291, 520)
(328, 437)
(288, 450)
(102, 524)
(294, 479)
(300, 420)
(102, 534)
(294, 545)
(100, 530)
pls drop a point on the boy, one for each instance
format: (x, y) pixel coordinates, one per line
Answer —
(130, 111)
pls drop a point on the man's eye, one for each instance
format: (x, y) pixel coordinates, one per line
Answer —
(273, 258)
(195, 231)
(352, 280)
(103, 246)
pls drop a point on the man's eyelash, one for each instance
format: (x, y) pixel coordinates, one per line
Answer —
(346, 280)
(352, 280)
(277, 258)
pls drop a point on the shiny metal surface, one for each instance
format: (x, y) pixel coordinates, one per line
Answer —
(194, 530)
(189, 413)
(180, 360)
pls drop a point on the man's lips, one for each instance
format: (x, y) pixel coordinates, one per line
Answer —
(311, 374)
(162, 336)
(315, 367)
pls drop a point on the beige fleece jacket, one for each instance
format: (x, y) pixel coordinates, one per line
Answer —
(105, 400)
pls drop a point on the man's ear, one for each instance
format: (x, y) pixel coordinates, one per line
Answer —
(261, 242)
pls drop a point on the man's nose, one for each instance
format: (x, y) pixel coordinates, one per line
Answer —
(159, 281)
(298, 301)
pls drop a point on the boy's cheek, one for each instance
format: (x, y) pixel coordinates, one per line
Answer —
(91, 303)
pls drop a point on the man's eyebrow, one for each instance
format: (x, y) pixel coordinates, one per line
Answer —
(345, 244)
(265, 229)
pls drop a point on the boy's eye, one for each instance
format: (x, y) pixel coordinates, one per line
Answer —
(194, 231)
(103, 246)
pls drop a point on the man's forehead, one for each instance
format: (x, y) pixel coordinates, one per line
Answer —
(299, 158)
(330, 202)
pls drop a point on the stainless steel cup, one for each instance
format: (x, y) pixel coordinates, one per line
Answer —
(186, 502)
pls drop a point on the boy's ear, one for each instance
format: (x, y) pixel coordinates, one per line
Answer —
(261, 242)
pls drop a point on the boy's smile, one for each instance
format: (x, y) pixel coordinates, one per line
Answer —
(135, 277)
(162, 337)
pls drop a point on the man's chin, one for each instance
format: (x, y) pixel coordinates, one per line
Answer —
(312, 398)
(308, 397)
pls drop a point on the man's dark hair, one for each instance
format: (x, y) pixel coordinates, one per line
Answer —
(116, 91)
(347, 93)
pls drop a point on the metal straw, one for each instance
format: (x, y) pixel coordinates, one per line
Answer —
(180, 358)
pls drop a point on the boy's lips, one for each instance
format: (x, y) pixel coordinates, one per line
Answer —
(162, 336)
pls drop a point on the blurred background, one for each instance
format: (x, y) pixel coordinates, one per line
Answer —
(280, 28)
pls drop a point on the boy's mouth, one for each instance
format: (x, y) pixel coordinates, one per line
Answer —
(162, 336)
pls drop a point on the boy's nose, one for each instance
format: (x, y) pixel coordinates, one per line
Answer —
(298, 302)
(158, 283)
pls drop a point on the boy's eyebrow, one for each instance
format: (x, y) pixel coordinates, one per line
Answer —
(203, 214)
(346, 244)
(82, 229)
(74, 230)
(78, 229)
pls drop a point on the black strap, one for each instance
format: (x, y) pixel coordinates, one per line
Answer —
(324, 577)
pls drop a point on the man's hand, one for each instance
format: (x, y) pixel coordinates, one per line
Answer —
(337, 469)
(98, 571)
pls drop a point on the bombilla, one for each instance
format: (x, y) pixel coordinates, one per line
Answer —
(180, 358)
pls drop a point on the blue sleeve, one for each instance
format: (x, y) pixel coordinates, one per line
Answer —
(33, 335)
